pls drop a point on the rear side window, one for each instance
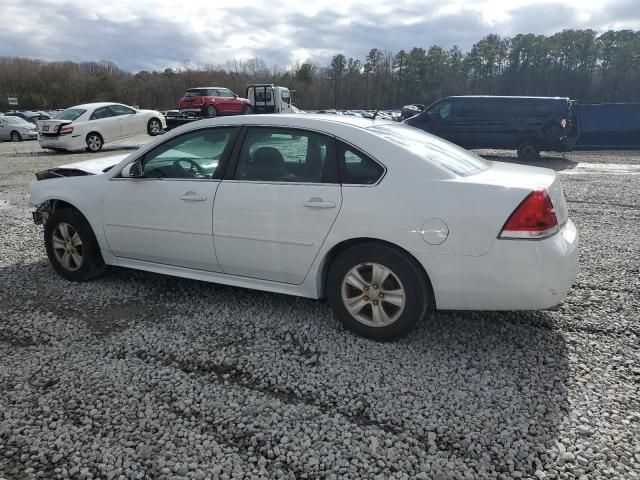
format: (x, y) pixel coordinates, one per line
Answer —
(199, 92)
(100, 113)
(356, 168)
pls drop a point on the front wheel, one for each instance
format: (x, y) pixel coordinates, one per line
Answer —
(16, 137)
(377, 291)
(94, 142)
(247, 110)
(154, 127)
(528, 152)
(72, 247)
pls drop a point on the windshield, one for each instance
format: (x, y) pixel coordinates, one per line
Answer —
(457, 160)
(70, 114)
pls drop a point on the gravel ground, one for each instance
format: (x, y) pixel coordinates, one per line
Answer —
(138, 375)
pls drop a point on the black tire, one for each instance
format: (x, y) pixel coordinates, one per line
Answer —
(16, 137)
(94, 142)
(528, 152)
(247, 110)
(91, 264)
(154, 127)
(211, 111)
(417, 296)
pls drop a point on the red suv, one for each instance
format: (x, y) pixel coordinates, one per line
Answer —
(213, 101)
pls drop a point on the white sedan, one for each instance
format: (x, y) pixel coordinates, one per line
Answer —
(384, 220)
(92, 125)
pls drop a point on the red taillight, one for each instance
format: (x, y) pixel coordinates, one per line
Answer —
(533, 218)
(563, 123)
(66, 130)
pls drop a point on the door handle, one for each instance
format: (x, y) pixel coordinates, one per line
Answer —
(317, 202)
(192, 197)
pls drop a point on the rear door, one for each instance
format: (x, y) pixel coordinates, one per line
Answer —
(4, 130)
(104, 120)
(273, 213)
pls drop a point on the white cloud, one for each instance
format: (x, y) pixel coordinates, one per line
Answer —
(147, 34)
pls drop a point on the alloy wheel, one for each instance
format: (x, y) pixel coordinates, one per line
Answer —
(373, 294)
(67, 246)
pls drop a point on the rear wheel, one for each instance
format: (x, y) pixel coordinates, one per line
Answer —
(528, 152)
(212, 111)
(247, 110)
(154, 127)
(94, 142)
(377, 291)
(16, 137)
(72, 247)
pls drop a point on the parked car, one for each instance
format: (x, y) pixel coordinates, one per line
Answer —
(31, 117)
(384, 220)
(409, 111)
(92, 125)
(213, 101)
(528, 124)
(16, 129)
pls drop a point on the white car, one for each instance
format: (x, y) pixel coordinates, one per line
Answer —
(16, 129)
(384, 220)
(92, 125)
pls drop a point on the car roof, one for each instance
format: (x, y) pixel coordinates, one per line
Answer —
(510, 97)
(303, 120)
(87, 106)
(201, 88)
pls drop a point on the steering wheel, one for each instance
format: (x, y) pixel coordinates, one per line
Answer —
(193, 169)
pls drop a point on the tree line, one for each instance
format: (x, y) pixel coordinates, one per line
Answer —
(576, 63)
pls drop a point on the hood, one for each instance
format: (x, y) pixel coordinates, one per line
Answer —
(94, 166)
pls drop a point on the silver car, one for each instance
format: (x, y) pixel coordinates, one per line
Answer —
(17, 129)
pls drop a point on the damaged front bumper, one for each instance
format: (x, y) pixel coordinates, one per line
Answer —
(41, 214)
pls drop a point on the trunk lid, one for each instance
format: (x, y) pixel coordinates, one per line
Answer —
(51, 127)
(526, 178)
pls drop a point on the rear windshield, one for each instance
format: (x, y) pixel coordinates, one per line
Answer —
(195, 93)
(70, 114)
(456, 160)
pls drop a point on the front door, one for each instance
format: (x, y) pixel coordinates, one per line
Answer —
(273, 214)
(131, 122)
(104, 120)
(165, 216)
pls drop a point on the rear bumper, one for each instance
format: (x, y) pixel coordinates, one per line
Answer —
(66, 142)
(513, 275)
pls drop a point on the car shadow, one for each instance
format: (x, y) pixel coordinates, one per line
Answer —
(553, 160)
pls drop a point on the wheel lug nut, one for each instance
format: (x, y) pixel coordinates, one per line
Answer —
(381, 295)
(375, 302)
(366, 287)
(366, 298)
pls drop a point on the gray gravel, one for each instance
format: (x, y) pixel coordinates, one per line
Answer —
(138, 375)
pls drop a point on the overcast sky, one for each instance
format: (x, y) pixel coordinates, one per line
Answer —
(152, 34)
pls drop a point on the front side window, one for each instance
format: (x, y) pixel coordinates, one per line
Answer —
(286, 98)
(100, 113)
(356, 168)
(284, 155)
(441, 111)
(122, 110)
(194, 155)
(225, 93)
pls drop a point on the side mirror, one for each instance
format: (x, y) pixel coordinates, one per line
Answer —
(235, 95)
(133, 170)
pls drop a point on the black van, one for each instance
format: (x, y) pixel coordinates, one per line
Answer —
(528, 124)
